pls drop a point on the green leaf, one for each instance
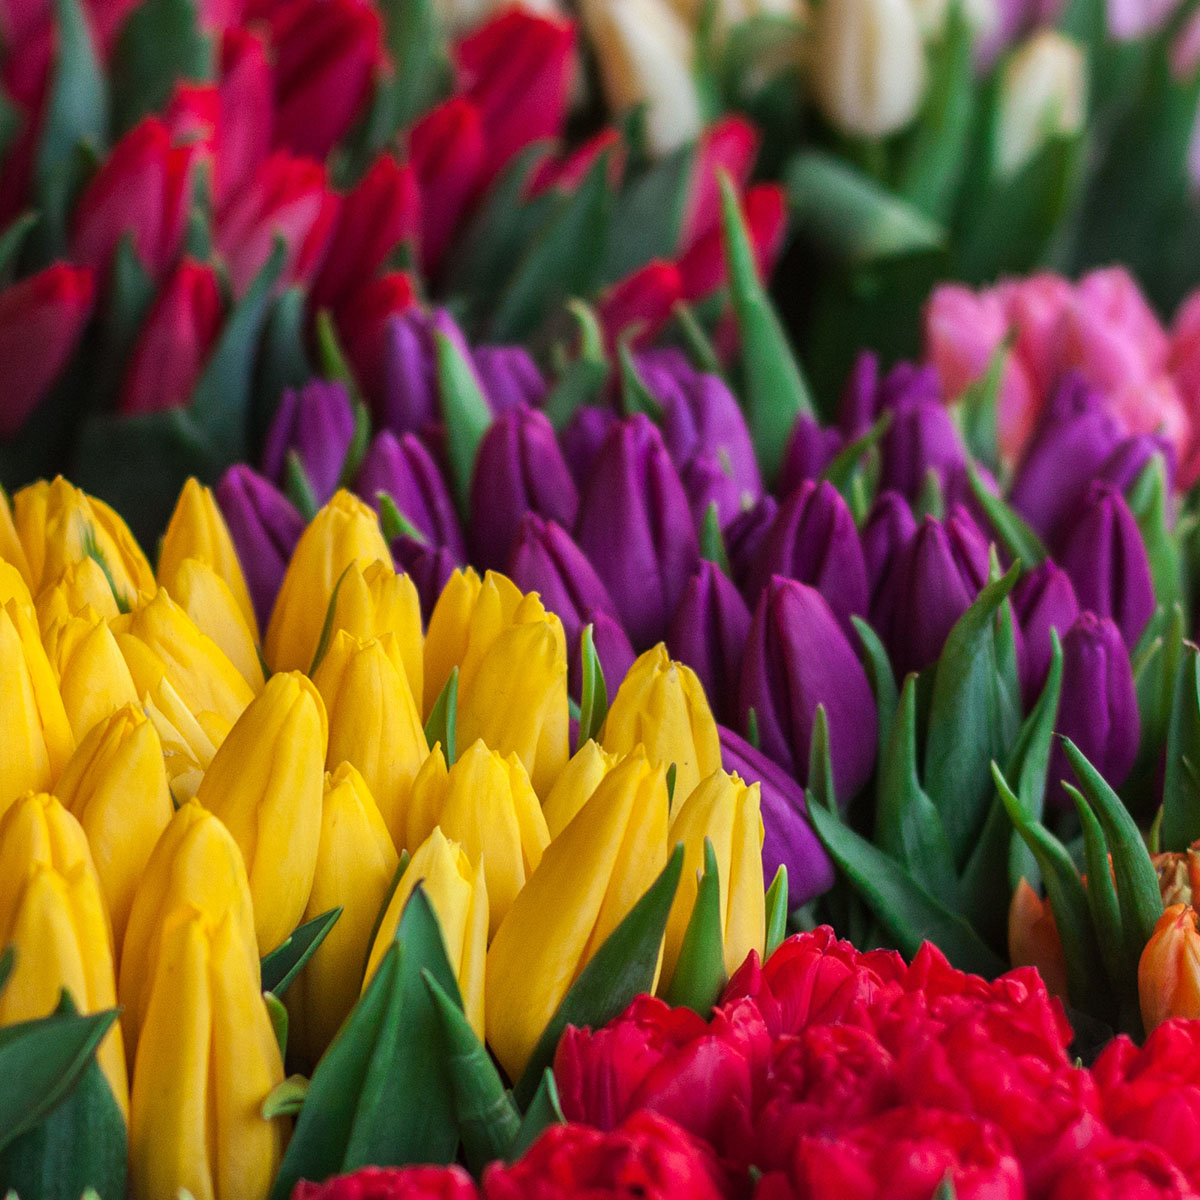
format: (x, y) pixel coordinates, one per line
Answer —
(443, 719)
(13, 238)
(700, 969)
(977, 409)
(775, 391)
(465, 413)
(326, 635)
(283, 964)
(278, 1013)
(1149, 501)
(820, 764)
(286, 1099)
(879, 670)
(636, 397)
(777, 912)
(395, 524)
(332, 358)
(1015, 535)
(298, 487)
(282, 359)
(696, 341)
(623, 967)
(672, 771)
(842, 469)
(582, 378)
(360, 440)
(544, 1110)
(1181, 782)
(712, 544)
(648, 215)
(593, 700)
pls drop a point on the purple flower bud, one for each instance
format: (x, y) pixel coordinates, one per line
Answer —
(1123, 466)
(1098, 709)
(1043, 600)
(788, 838)
(519, 469)
(316, 422)
(909, 383)
(612, 648)
(887, 530)
(265, 528)
(810, 449)
(708, 632)
(921, 438)
(404, 469)
(409, 400)
(744, 536)
(1105, 557)
(930, 584)
(510, 377)
(813, 539)
(635, 526)
(582, 439)
(429, 567)
(706, 482)
(796, 658)
(858, 406)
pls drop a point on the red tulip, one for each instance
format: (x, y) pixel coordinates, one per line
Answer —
(702, 268)
(645, 299)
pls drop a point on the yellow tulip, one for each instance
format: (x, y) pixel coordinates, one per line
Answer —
(449, 630)
(1169, 969)
(265, 783)
(206, 1062)
(727, 812)
(589, 878)
(11, 550)
(345, 532)
(194, 863)
(459, 896)
(52, 914)
(81, 585)
(115, 785)
(13, 585)
(92, 677)
(373, 720)
(189, 741)
(661, 705)
(198, 530)
(575, 785)
(356, 864)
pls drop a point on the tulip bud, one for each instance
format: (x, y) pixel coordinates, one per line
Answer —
(810, 449)
(200, 1078)
(81, 586)
(1043, 93)
(449, 628)
(519, 470)
(640, 305)
(52, 914)
(373, 720)
(798, 658)
(589, 878)
(637, 530)
(1042, 600)
(356, 863)
(868, 65)
(575, 784)
(725, 811)
(920, 439)
(345, 531)
(887, 530)
(92, 677)
(1169, 969)
(362, 324)
(197, 530)
(316, 423)
(459, 896)
(1033, 939)
(189, 740)
(703, 269)
(745, 534)
(11, 550)
(510, 377)
(661, 706)
(265, 783)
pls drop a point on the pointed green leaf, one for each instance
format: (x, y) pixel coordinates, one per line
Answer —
(1149, 501)
(820, 764)
(648, 215)
(278, 1013)
(777, 912)
(697, 343)
(282, 359)
(443, 719)
(332, 358)
(593, 700)
(283, 964)
(636, 397)
(286, 1099)
(581, 378)
(13, 238)
(298, 487)
(879, 670)
(700, 969)
(976, 413)
(357, 450)
(1181, 787)
(1016, 536)
(326, 635)
(841, 469)
(544, 1110)
(395, 524)
(465, 413)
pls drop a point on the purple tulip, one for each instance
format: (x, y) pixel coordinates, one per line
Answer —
(317, 422)
(797, 658)
(930, 584)
(429, 567)
(612, 648)
(810, 449)
(1105, 557)
(509, 376)
(887, 530)
(859, 404)
(706, 483)
(744, 536)
(1098, 708)
(265, 528)
(788, 838)
(1043, 600)
(519, 469)
(582, 439)
(1131, 456)
(404, 469)
(635, 526)
(813, 539)
(920, 439)
(708, 632)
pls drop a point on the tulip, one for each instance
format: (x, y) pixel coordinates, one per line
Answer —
(362, 322)
(179, 332)
(888, 528)
(813, 540)
(575, 784)
(11, 550)
(730, 145)
(869, 65)
(661, 706)
(920, 439)
(702, 270)
(745, 534)
(810, 449)
(207, 1060)
(519, 470)
(1042, 600)
(724, 811)
(265, 784)
(344, 532)
(197, 530)
(708, 485)
(582, 438)
(195, 863)
(510, 377)
(709, 632)
(52, 914)
(1169, 969)
(245, 112)
(638, 306)
(265, 529)
(48, 310)
(449, 629)
(796, 659)
(1033, 939)
(459, 895)
(356, 864)
(189, 740)
(635, 527)
(91, 674)
(81, 586)
(316, 424)
(589, 878)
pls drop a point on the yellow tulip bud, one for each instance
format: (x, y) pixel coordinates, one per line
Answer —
(345, 532)
(373, 720)
(92, 677)
(426, 800)
(11, 550)
(115, 785)
(160, 641)
(727, 812)
(356, 863)
(376, 601)
(52, 913)
(37, 737)
(449, 631)
(265, 783)
(1169, 969)
(206, 1062)
(197, 863)
(575, 785)
(1043, 95)
(459, 896)
(189, 740)
(210, 603)
(13, 585)
(81, 585)
(661, 705)
(589, 878)
(198, 530)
